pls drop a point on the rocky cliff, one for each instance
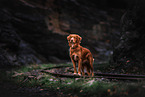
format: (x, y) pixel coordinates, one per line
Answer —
(129, 55)
(35, 31)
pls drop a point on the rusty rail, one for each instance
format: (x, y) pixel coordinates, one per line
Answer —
(97, 75)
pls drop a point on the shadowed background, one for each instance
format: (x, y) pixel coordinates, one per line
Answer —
(35, 31)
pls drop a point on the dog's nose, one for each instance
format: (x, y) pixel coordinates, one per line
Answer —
(71, 40)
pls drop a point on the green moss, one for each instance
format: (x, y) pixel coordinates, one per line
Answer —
(31, 76)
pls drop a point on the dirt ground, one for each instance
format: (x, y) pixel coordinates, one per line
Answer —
(10, 90)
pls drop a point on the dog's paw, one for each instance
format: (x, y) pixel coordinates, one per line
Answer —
(75, 74)
(79, 74)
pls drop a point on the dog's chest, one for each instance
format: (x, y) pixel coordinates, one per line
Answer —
(75, 54)
(75, 57)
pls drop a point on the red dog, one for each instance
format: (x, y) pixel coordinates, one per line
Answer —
(80, 55)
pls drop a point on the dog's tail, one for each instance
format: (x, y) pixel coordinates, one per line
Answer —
(92, 69)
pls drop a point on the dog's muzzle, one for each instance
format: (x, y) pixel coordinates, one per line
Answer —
(72, 40)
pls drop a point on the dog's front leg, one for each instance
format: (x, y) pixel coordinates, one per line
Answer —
(74, 65)
(79, 66)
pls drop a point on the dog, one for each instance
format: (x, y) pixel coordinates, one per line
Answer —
(80, 55)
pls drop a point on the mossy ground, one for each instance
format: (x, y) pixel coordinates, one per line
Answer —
(32, 77)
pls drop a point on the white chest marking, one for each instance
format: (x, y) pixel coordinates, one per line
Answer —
(72, 45)
(75, 57)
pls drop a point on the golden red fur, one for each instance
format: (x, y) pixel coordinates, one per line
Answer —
(80, 55)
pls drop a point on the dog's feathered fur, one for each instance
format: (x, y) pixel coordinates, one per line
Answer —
(80, 55)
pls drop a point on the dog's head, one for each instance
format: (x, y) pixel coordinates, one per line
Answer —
(74, 40)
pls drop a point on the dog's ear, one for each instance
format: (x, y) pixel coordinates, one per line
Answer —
(79, 38)
(68, 37)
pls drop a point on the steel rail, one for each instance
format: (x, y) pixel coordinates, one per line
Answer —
(117, 75)
(97, 75)
(101, 75)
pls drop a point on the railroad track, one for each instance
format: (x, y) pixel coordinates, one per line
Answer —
(69, 74)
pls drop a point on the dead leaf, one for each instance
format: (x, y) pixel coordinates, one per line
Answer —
(17, 74)
(81, 90)
(108, 90)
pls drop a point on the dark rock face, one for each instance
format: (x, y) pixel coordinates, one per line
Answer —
(35, 31)
(14, 50)
(130, 53)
